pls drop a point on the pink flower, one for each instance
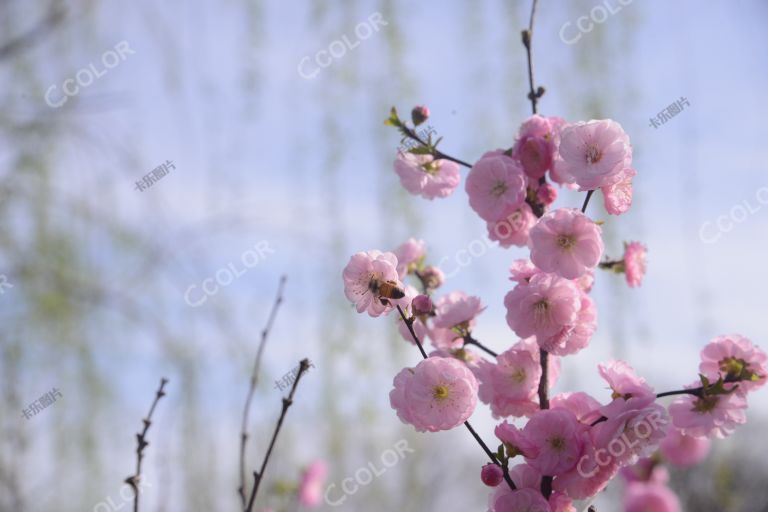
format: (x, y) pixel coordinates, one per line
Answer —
(634, 429)
(492, 475)
(623, 380)
(682, 450)
(522, 270)
(546, 194)
(536, 144)
(409, 255)
(457, 310)
(574, 337)
(513, 228)
(646, 470)
(432, 277)
(566, 242)
(651, 496)
(515, 440)
(445, 339)
(734, 358)
(556, 434)
(593, 154)
(543, 307)
(438, 394)
(423, 175)
(634, 263)
(509, 386)
(713, 416)
(364, 275)
(579, 403)
(617, 198)
(422, 305)
(586, 281)
(559, 502)
(520, 500)
(591, 475)
(495, 185)
(311, 485)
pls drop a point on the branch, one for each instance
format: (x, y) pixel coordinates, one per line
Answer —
(469, 340)
(586, 201)
(527, 35)
(252, 387)
(409, 324)
(259, 475)
(142, 443)
(436, 153)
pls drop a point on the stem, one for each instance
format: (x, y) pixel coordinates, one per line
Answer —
(544, 381)
(408, 322)
(469, 340)
(142, 443)
(586, 201)
(436, 153)
(252, 387)
(533, 95)
(258, 476)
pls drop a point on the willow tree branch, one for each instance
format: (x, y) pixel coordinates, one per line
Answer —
(491, 455)
(252, 388)
(142, 443)
(258, 476)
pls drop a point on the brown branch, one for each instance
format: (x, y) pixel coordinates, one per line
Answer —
(469, 340)
(252, 387)
(586, 201)
(527, 36)
(259, 475)
(436, 153)
(491, 455)
(142, 443)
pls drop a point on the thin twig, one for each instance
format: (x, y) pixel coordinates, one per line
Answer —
(491, 455)
(252, 387)
(142, 443)
(436, 153)
(534, 94)
(586, 201)
(258, 476)
(469, 340)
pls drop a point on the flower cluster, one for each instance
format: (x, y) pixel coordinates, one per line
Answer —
(553, 450)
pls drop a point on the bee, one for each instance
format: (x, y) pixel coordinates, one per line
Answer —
(386, 290)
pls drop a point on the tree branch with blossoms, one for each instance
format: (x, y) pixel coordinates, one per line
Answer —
(570, 445)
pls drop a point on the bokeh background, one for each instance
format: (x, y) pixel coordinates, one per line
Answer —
(99, 269)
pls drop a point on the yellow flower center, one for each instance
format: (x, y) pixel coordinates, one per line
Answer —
(593, 154)
(499, 188)
(566, 242)
(557, 443)
(440, 392)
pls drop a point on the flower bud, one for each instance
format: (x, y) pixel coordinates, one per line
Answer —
(546, 194)
(419, 114)
(421, 305)
(432, 277)
(491, 475)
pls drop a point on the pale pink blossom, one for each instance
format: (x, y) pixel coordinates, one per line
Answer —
(560, 502)
(535, 146)
(440, 393)
(593, 471)
(496, 184)
(505, 499)
(457, 310)
(423, 175)
(556, 434)
(521, 271)
(650, 496)
(445, 339)
(364, 274)
(586, 281)
(422, 305)
(509, 385)
(634, 263)
(515, 440)
(513, 228)
(311, 485)
(585, 407)
(593, 154)
(712, 416)
(574, 337)
(525, 477)
(682, 450)
(617, 198)
(409, 255)
(734, 358)
(623, 380)
(546, 194)
(543, 306)
(566, 242)
(633, 429)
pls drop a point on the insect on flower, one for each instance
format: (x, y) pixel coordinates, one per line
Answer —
(385, 290)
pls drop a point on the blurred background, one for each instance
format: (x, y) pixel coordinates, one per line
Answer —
(278, 156)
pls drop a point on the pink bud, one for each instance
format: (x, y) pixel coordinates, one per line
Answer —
(491, 475)
(432, 277)
(546, 194)
(419, 114)
(421, 305)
